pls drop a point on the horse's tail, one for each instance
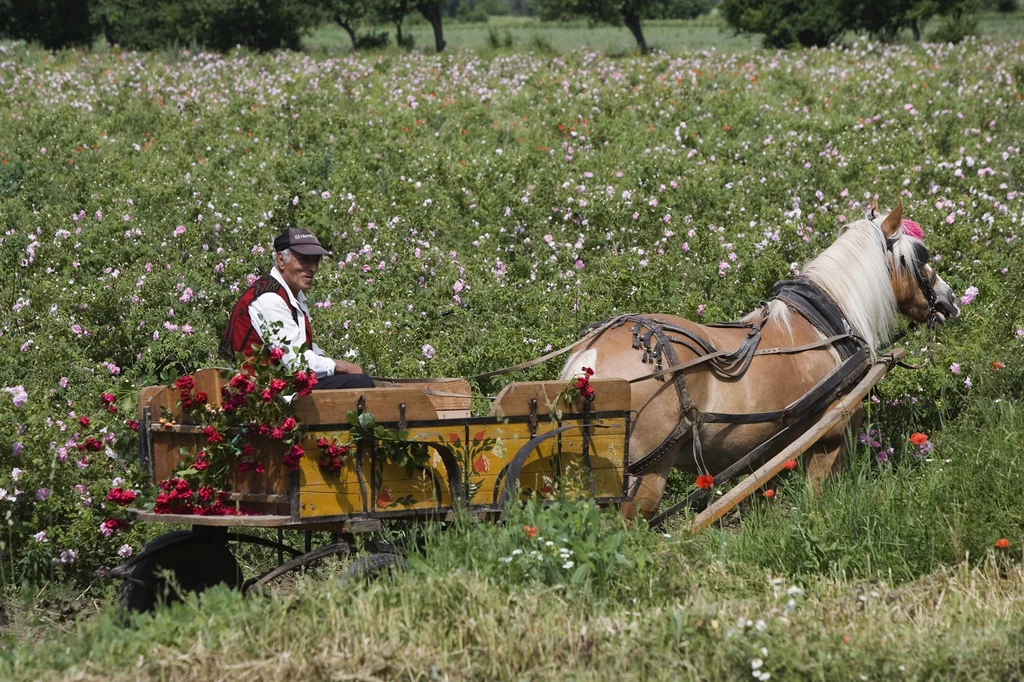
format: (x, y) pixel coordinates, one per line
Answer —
(577, 361)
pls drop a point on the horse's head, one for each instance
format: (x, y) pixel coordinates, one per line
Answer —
(920, 293)
(877, 269)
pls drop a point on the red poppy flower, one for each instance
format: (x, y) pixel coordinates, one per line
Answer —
(918, 438)
(480, 465)
(385, 497)
(705, 481)
(790, 464)
(1002, 543)
(998, 365)
(531, 531)
(770, 493)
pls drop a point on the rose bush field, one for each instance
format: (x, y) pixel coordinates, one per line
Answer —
(481, 209)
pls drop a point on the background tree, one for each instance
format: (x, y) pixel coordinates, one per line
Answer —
(432, 11)
(53, 23)
(786, 23)
(393, 12)
(349, 14)
(213, 24)
(679, 9)
(612, 12)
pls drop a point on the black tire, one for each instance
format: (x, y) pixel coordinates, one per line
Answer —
(368, 567)
(193, 562)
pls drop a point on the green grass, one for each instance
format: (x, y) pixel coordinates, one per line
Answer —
(890, 574)
(530, 34)
(527, 33)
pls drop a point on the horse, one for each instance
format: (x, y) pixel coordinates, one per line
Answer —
(847, 300)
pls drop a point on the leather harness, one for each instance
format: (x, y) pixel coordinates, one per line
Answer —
(658, 341)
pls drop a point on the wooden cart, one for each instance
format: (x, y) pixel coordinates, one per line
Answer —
(532, 442)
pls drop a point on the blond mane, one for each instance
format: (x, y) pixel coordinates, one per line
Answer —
(854, 272)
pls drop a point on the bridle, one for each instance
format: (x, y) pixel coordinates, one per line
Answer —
(925, 284)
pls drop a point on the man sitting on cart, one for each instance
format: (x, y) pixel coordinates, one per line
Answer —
(274, 310)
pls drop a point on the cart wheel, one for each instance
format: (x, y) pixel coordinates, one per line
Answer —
(194, 563)
(369, 567)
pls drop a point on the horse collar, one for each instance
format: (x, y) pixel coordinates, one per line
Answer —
(818, 308)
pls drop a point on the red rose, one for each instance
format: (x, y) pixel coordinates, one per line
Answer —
(121, 497)
(201, 398)
(276, 354)
(242, 467)
(201, 465)
(288, 424)
(107, 398)
(266, 396)
(185, 383)
(84, 421)
(248, 449)
(260, 469)
(211, 435)
(276, 433)
(291, 460)
(322, 442)
(238, 381)
(277, 385)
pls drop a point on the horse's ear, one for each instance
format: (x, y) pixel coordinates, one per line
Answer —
(874, 208)
(894, 221)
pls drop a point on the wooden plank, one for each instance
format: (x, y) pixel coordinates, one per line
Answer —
(840, 411)
(208, 381)
(168, 456)
(253, 521)
(332, 406)
(454, 414)
(610, 395)
(444, 394)
(146, 395)
(256, 521)
(163, 402)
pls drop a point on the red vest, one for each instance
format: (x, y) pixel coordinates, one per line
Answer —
(240, 335)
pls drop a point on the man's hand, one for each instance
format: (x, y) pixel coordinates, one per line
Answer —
(342, 367)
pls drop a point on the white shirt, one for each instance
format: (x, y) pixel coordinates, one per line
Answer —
(270, 308)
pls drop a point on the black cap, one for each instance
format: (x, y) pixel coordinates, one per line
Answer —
(299, 241)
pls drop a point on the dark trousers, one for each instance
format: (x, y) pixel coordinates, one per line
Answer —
(343, 381)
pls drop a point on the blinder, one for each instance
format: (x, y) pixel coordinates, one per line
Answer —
(927, 285)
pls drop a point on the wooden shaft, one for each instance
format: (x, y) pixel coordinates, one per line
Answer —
(840, 411)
